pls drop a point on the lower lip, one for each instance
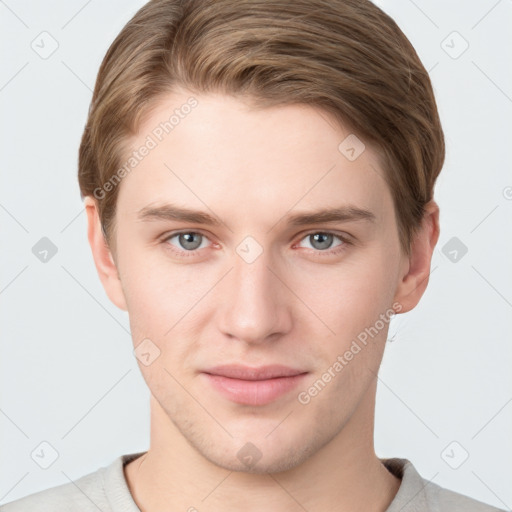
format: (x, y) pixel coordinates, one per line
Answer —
(254, 392)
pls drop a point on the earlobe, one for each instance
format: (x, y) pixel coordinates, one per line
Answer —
(103, 259)
(414, 280)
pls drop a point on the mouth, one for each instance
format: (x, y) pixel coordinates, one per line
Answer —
(253, 386)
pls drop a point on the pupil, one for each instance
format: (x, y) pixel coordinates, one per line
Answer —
(187, 242)
(323, 240)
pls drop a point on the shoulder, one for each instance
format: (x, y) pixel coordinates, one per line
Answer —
(454, 502)
(105, 489)
(78, 496)
(418, 494)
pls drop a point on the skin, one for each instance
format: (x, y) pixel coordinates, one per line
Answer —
(297, 304)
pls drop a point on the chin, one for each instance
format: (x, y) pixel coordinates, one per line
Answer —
(276, 463)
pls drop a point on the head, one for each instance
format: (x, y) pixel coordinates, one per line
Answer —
(257, 116)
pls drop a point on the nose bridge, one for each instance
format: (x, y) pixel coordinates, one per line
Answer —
(252, 308)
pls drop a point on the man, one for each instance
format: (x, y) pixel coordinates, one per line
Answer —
(258, 179)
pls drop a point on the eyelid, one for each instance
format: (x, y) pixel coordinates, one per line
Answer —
(171, 234)
(341, 235)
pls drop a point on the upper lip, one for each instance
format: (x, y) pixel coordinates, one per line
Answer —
(254, 373)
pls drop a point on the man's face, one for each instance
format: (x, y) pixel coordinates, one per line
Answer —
(256, 289)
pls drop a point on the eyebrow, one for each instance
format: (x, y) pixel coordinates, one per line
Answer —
(341, 214)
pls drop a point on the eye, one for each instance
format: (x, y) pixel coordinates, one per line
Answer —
(322, 241)
(188, 241)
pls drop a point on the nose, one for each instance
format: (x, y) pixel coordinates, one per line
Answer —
(254, 304)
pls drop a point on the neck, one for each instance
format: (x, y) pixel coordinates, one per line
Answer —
(344, 475)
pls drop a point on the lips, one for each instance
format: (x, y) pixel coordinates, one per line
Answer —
(248, 373)
(253, 386)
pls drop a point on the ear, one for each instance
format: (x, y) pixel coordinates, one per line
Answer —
(103, 259)
(416, 268)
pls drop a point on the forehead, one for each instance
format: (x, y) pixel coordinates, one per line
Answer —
(226, 156)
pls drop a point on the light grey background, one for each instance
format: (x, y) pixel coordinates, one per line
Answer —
(68, 376)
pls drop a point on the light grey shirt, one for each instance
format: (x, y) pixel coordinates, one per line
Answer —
(106, 490)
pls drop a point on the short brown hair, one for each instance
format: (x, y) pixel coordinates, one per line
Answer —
(346, 57)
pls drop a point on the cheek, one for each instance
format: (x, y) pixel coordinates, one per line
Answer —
(164, 301)
(352, 303)
(349, 296)
(149, 291)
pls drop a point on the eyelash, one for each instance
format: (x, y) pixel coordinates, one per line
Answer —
(317, 252)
